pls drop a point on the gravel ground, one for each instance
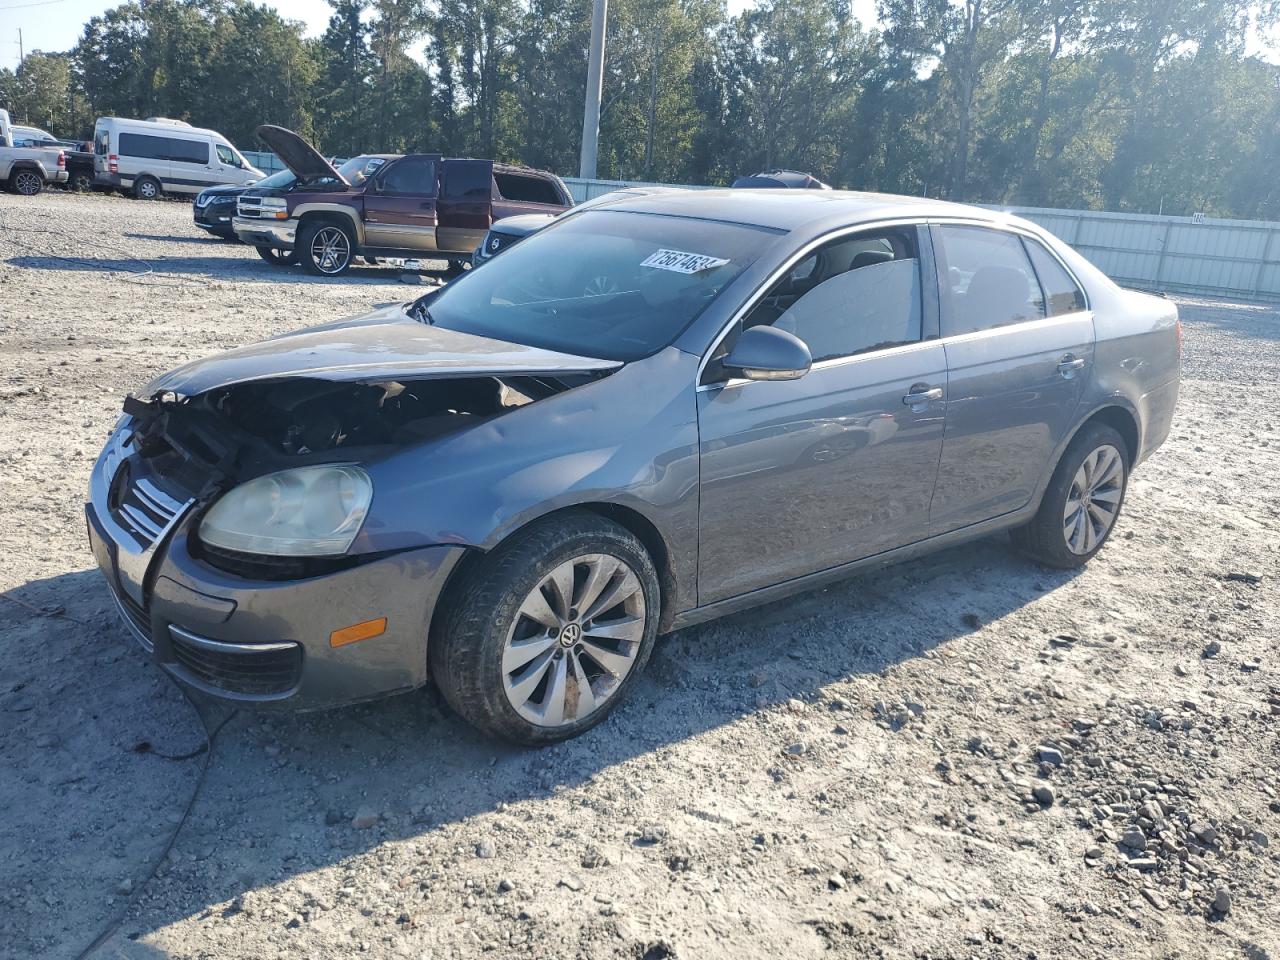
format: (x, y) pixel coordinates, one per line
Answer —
(964, 756)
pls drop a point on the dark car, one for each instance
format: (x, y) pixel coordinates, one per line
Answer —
(781, 179)
(506, 233)
(653, 412)
(214, 208)
(420, 206)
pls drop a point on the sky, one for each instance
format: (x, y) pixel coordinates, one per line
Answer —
(55, 25)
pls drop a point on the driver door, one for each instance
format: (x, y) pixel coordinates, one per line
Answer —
(799, 476)
(400, 206)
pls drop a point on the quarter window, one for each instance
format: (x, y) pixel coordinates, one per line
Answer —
(987, 280)
(850, 296)
(515, 186)
(1063, 294)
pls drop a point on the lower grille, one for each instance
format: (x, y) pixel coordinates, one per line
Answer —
(251, 669)
(135, 615)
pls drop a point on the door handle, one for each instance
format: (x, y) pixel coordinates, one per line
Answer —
(917, 398)
(1069, 365)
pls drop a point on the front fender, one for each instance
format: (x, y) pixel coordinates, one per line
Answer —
(349, 215)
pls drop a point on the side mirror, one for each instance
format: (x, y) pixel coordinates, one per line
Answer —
(767, 353)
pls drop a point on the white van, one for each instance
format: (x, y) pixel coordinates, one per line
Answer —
(157, 156)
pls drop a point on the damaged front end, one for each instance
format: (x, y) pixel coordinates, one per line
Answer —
(203, 447)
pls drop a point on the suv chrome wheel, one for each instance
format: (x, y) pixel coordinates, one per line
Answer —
(1093, 500)
(574, 640)
(27, 182)
(330, 250)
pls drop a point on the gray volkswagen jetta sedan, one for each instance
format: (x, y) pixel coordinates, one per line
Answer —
(660, 409)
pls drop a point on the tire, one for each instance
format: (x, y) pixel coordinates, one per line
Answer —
(26, 181)
(485, 623)
(81, 181)
(147, 188)
(277, 258)
(1096, 463)
(325, 249)
(457, 268)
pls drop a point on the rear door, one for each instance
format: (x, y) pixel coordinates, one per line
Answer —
(1018, 362)
(191, 166)
(400, 205)
(465, 209)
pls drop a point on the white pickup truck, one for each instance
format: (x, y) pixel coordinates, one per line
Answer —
(26, 170)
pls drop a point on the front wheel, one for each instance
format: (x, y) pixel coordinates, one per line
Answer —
(277, 258)
(325, 249)
(27, 182)
(549, 632)
(1081, 503)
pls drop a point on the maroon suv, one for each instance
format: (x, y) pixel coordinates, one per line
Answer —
(383, 205)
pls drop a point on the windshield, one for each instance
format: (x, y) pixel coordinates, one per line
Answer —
(605, 283)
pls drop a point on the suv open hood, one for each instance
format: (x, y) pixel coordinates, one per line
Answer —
(386, 345)
(298, 155)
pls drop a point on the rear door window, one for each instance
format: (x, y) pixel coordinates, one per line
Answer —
(528, 189)
(468, 180)
(1062, 293)
(987, 280)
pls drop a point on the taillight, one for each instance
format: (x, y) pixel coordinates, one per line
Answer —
(62, 161)
(113, 163)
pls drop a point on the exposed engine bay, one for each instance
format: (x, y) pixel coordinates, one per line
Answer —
(234, 433)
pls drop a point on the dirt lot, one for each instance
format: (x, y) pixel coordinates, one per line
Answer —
(965, 756)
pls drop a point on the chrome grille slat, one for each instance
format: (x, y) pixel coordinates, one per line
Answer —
(140, 521)
(156, 497)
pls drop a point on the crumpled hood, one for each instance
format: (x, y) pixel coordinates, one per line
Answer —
(385, 345)
(304, 160)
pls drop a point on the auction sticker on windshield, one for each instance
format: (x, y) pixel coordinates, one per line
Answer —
(678, 261)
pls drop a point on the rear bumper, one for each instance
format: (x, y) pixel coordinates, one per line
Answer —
(268, 643)
(279, 234)
(112, 181)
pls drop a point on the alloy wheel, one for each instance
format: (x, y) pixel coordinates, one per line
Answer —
(330, 250)
(27, 183)
(1093, 500)
(574, 640)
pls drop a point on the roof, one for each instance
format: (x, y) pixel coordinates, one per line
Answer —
(789, 209)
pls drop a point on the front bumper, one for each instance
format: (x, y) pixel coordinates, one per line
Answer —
(268, 642)
(279, 234)
(215, 217)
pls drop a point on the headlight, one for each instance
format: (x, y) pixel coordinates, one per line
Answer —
(202, 199)
(307, 512)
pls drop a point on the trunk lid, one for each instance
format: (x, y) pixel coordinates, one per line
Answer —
(385, 345)
(299, 156)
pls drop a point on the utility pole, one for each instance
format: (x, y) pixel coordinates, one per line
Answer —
(22, 55)
(595, 84)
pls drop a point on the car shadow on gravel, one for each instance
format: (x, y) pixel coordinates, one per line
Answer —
(288, 794)
(197, 270)
(210, 241)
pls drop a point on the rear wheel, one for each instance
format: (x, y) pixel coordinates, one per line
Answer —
(1081, 503)
(147, 188)
(548, 633)
(81, 181)
(277, 258)
(26, 182)
(325, 249)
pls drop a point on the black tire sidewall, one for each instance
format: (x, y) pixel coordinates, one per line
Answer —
(466, 656)
(305, 236)
(1044, 538)
(277, 258)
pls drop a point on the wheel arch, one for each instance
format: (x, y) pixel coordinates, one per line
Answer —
(335, 213)
(627, 517)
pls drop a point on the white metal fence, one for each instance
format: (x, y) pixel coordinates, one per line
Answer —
(1234, 258)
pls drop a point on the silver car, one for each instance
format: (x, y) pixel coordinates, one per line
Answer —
(658, 410)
